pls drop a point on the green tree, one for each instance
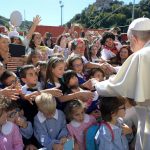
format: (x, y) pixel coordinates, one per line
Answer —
(119, 14)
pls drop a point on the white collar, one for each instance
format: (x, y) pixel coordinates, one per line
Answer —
(37, 86)
(57, 85)
(79, 75)
(42, 118)
(7, 128)
(77, 124)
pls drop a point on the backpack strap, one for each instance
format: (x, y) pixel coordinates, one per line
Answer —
(109, 127)
(98, 124)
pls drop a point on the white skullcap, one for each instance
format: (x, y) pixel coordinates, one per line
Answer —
(13, 34)
(140, 24)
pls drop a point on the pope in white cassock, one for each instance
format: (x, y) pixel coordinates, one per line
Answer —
(133, 79)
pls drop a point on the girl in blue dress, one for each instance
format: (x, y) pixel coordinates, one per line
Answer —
(113, 138)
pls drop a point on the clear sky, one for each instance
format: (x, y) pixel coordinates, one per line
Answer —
(49, 10)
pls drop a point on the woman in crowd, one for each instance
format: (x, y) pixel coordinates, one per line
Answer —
(110, 47)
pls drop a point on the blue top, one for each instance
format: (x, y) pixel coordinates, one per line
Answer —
(60, 85)
(50, 85)
(27, 132)
(1, 86)
(104, 138)
(81, 78)
(50, 131)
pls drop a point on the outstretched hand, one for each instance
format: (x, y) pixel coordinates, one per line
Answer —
(31, 97)
(55, 92)
(85, 95)
(109, 69)
(10, 93)
(36, 20)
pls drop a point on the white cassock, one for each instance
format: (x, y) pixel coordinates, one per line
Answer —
(133, 81)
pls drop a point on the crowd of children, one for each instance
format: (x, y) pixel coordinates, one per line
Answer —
(49, 102)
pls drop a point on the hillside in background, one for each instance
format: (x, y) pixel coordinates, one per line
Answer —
(102, 14)
(117, 14)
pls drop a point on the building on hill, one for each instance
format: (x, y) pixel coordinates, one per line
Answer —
(103, 4)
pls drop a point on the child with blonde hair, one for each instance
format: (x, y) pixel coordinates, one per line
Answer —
(49, 123)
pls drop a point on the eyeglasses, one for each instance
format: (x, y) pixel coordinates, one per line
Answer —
(13, 114)
(13, 81)
(78, 65)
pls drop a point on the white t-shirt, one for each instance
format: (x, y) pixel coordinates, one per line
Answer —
(107, 54)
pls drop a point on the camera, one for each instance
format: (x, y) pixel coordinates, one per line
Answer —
(48, 35)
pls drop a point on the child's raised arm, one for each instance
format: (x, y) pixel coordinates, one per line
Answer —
(36, 21)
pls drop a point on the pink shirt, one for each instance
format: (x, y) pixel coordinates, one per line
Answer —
(10, 137)
(3, 142)
(77, 129)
